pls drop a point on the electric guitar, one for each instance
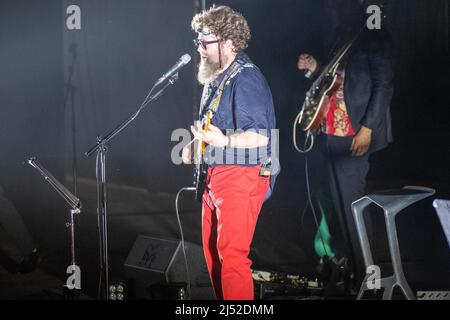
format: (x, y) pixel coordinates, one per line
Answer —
(201, 168)
(318, 96)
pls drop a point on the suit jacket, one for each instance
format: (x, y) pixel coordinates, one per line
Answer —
(368, 86)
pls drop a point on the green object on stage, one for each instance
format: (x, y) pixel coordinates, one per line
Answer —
(322, 239)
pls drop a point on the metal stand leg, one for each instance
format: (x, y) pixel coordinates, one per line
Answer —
(392, 202)
(72, 293)
(103, 223)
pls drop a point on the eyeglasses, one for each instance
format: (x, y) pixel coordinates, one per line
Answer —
(203, 43)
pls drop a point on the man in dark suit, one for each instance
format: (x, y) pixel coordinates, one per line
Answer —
(357, 122)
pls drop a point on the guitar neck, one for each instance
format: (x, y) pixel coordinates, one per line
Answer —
(338, 57)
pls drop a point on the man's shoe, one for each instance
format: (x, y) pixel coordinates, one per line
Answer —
(341, 280)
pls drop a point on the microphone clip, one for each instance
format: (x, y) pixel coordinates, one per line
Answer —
(173, 78)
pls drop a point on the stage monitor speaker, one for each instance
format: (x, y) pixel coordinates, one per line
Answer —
(156, 267)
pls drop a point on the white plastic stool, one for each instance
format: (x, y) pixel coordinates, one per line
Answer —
(392, 202)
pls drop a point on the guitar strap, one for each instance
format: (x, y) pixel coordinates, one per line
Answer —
(214, 104)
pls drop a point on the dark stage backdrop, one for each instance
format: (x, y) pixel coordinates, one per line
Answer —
(32, 110)
(61, 88)
(120, 51)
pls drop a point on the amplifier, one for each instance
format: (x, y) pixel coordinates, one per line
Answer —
(279, 285)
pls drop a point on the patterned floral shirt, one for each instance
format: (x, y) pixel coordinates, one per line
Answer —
(337, 122)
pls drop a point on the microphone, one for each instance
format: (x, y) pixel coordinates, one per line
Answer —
(183, 60)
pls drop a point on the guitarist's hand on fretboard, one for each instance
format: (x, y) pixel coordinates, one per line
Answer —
(213, 136)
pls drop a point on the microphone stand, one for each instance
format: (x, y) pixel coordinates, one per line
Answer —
(101, 147)
(73, 202)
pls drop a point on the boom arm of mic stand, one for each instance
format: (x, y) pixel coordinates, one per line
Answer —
(72, 200)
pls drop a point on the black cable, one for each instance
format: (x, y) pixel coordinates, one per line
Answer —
(188, 278)
(308, 135)
(311, 203)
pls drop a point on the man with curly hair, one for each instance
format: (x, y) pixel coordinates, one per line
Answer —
(238, 100)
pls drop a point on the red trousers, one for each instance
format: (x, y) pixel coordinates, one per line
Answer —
(231, 205)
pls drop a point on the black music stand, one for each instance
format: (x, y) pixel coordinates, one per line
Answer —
(72, 200)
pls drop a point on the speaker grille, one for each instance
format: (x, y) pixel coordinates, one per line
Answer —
(154, 262)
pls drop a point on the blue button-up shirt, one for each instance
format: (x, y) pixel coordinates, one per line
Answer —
(246, 104)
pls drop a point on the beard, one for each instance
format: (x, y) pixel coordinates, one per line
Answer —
(208, 70)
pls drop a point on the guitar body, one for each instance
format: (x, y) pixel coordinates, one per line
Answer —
(201, 168)
(317, 100)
